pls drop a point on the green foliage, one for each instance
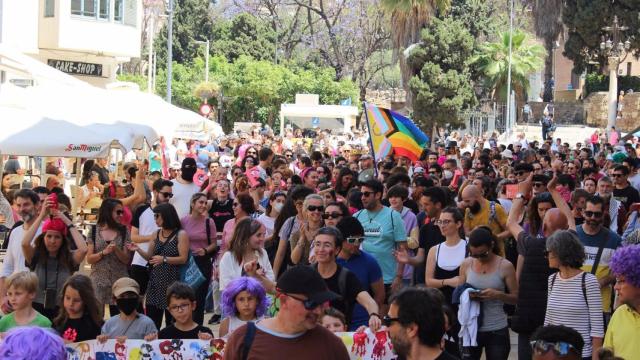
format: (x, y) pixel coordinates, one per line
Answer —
(598, 82)
(492, 62)
(141, 80)
(245, 34)
(478, 17)
(584, 21)
(442, 86)
(191, 22)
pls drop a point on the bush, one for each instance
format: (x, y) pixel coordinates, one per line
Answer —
(599, 82)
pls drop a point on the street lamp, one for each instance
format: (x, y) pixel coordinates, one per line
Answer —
(615, 49)
(206, 59)
(169, 49)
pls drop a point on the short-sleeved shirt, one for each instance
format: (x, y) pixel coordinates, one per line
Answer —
(315, 344)
(137, 328)
(8, 322)
(181, 199)
(155, 161)
(591, 244)
(382, 231)
(622, 333)
(352, 288)
(627, 196)
(172, 332)
(366, 268)
(497, 223)
(76, 330)
(430, 236)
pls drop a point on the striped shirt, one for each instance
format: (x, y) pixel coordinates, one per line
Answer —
(566, 306)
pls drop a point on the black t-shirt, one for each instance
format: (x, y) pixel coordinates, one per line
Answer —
(220, 212)
(76, 330)
(446, 356)
(579, 220)
(135, 219)
(353, 287)
(428, 237)
(171, 332)
(626, 196)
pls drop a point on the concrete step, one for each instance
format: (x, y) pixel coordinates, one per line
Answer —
(571, 134)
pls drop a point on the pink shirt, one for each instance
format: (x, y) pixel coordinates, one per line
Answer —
(197, 231)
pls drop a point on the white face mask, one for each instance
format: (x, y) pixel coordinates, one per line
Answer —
(447, 174)
(278, 207)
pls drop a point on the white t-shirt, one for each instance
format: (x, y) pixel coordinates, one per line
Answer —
(147, 227)
(230, 269)
(182, 197)
(268, 223)
(14, 258)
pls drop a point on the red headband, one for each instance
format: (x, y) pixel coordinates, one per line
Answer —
(55, 224)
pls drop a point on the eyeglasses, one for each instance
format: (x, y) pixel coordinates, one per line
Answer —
(480, 256)
(307, 303)
(538, 184)
(355, 239)
(387, 320)
(119, 212)
(560, 348)
(333, 215)
(592, 214)
(167, 194)
(179, 308)
(315, 208)
(443, 222)
(367, 193)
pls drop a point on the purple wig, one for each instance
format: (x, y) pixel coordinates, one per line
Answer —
(626, 261)
(27, 343)
(249, 285)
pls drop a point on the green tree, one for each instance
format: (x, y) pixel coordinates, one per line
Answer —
(547, 20)
(442, 86)
(245, 34)
(191, 22)
(492, 61)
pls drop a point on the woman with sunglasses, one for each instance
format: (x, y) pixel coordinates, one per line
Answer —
(537, 208)
(334, 212)
(312, 210)
(248, 163)
(493, 279)
(201, 232)
(574, 297)
(273, 209)
(107, 252)
(247, 256)
(166, 254)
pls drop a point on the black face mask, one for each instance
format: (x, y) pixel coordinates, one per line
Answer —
(127, 305)
(188, 173)
(475, 208)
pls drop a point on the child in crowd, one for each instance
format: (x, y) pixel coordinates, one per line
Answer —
(181, 300)
(129, 324)
(80, 317)
(21, 291)
(333, 320)
(244, 299)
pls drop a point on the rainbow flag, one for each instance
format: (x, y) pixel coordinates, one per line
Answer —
(390, 132)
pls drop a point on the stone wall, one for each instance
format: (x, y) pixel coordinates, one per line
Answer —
(565, 113)
(630, 113)
(595, 106)
(393, 98)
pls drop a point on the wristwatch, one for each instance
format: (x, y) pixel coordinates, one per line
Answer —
(520, 196)
(164, 259)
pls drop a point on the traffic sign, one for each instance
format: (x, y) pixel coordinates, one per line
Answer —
(205, 109)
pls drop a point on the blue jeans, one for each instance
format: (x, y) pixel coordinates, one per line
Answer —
(496, 345)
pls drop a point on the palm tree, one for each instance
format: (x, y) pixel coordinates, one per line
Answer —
(408, 17)
(547, 21)
(492, 62)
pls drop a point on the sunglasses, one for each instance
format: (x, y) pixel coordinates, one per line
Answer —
(333, 215)
(307, 303)
(387, 320)
(480, 256)
(288, 156)
(616, 175)
(367, 193)
(538, 184)
(167, 194)
(593, 214)
(355, 239)
(315, 208)
(560, 348)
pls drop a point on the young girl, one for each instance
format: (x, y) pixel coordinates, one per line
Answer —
(333, 320)
(80, 316)
(244, 299)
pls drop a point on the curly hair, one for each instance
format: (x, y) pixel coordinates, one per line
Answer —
(24, 343)
(249, 285)
(566, 246)
(625, 261)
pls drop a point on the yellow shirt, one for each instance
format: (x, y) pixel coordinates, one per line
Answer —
(623, 333)
(497, 224)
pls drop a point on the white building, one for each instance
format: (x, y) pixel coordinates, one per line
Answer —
(84, 38)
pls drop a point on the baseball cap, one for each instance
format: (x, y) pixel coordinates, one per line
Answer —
(507, 154)
(306, 281)
(123, 285)
(175, 165)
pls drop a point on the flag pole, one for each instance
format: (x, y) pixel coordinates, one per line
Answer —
(373, 153)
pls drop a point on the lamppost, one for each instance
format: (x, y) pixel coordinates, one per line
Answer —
(614, 49)
(169, 48)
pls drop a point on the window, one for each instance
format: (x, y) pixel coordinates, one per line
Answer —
(105, 7)
(118, 10)
(83, 8)
(629, 69)
(49, 8)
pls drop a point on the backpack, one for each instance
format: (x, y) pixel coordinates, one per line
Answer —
(584, 287)
(5, 245)
(342, 289)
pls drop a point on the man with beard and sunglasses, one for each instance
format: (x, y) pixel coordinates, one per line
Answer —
(29, 206)
(184, 188)
(294, 332)
(599, 244)
(416, 325)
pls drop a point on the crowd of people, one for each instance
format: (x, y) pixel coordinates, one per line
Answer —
(286, 240)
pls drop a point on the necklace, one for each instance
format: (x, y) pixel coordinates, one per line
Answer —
(166, 236)
(374, 216)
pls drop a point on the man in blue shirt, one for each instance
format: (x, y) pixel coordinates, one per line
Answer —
(383, 233)
(363, 265)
